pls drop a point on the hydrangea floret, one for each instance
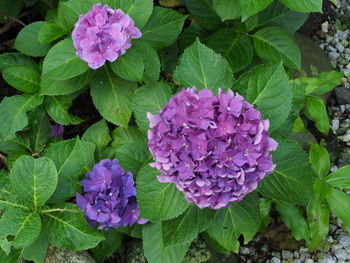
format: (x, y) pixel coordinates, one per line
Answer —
(109, 198)
(103, 34)
(57, 130)
(216, 149)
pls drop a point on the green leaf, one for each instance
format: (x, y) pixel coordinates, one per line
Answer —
(24, 225)
(304, 6)
(37, 251)
(57, 108)
(316, 111)
(163, 27)
(16, 59)
(68, 229)
(129, 66)
(76, 158)
(158, 201)
(339, 203)
(227, 10)
(69, 12)
(107, 247)
(201, 67)
(319, 159)
(187, 226)
(130, 148)
(267, 87)
(13, 257)
(54, 87)
(292, 179)
(149, 98)
(27, 41)
(22, 78)
(150, 61)
(154, 249)
(322, 189)
(50, 32)
(112, 97)
(190, 34)
(235, 47)
(294, 220)
(273, 44)
(340, 177)
(62, 63)
(240, 218)
(251, 7)
(322, 83)
(13, 113)
(33, 180)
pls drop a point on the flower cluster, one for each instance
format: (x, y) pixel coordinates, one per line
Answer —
(215, 149)
(103, 34)
(109, 199)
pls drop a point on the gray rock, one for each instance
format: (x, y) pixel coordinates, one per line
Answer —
(333, 55)
(326, 260)
(340, 47)
(303, 250)
(342, 95)
(276, 254)
(55, 255)
(344, 240)
(286, 254)
(296, 254)
(304, 256)
(275, 260)
(335, 125)
(244, 250)
(309, 260)
(296, 261)
(341, 254)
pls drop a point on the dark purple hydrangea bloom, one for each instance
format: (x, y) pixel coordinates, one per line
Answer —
(103, 34)
(215, 149)
(57, 130)
(109, 198)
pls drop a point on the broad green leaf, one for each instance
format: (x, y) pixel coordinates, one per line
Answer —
(322, 189)
(190, 34)
(187, 226)
(24, 225)
(251, 7)
(292, 179)
(322, 83)
(267, 87)
(265, 205)
(5, 245)
(19, 143)
(320, 160)
(316, 111)
(235, 47)
(16, 59)
(112, 97)
(34, 180)
(340, 177)
(129, 66)
(54, 87)
(13, 257)
(149, 98)
(294, 220)
(75, 158)
(305, 6)
(107, 247)
(158, 201)
(154, 249)
(168, 57)
(57, 108)
(339, 203)
(150, 61)
(50, 32)
(227, 10)
(163, 27)
(13, 113)
(27, 41)
(273, 44)
(22, 78)
(201, 67)
(37, 251)
(62, 63)
(68, 229)
(240, 218)
(10, 8)
(69, 12)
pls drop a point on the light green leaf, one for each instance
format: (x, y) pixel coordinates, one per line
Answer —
(304, 6)
(227, 10)
(202, 67)
(13, 257)
(16, 59)
(69, 229)
(339, 203)
(13, 113)
(322, 83)
(36, 251)
(240, 218)
(107, 247)
(112, 97)
(273, 44)
(33, 180)
(292, 179)
(340, 177)
(22, 78)
(57, 108)
(235, 47)
(251, 7)
(50, 32)
(69, 12)
(267, 87)
(316, 111)
(149, 98)
(27, 41)
(163, 27)
(158, 201)
(320, 160)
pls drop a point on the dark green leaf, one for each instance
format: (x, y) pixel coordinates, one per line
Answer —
(305, 6)
(22, 78)
(36, 251)
(16, 59)
(107, 247)
(316, 111)
(339, 203)
(319, 160)
(251, 7)
(227, 10)
(50, 32)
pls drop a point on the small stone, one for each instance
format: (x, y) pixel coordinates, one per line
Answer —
(276, 254)
(324, 27)
(303, 250)
(329, 239)
(333, 55)
(337, 247)
(344, 240)
(275, 260)
(335, 125)
(244, 250)
(333, 227)
(330, 48)
(335, 41)
(340, 47)
(347, 51)
(342, 35)
(264, 248)
(286, 254)
(309, 260)
(296, 254)
(342, 95)
(296, 261)
(341, 254)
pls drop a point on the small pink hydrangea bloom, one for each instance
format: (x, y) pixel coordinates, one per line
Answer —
(103, 34)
